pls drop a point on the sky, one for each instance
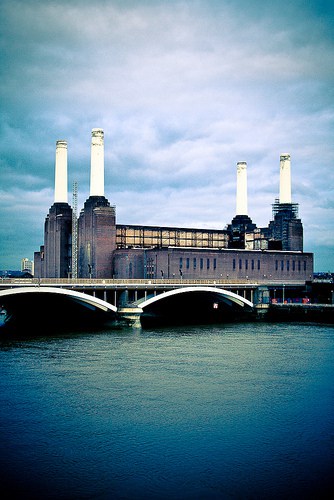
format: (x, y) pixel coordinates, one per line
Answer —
(183, 91)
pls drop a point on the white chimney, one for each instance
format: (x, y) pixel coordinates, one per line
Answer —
(285, 179)
(242, 208)
(61, 172)
(97, 163)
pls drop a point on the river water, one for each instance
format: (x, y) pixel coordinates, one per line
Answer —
(222, 411)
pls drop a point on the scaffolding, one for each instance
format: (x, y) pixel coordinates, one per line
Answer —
(287, 209)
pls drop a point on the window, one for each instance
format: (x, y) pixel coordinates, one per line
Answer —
(208, 263)
(246, 264)
(188, 262)
(288, 265)
(252, 264)
(293, 265)
(282, 265)
(195, 263)
(201, 263)
(240, 264)
(233, 264)
(276, 265)
(258, 265)
(304, 265)
(181, 262)
(299, 265)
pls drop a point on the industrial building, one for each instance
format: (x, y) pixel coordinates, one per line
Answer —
(93, 245)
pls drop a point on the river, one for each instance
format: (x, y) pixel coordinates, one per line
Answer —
(202, 412)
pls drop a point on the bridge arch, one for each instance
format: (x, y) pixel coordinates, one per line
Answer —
(50, 307)
(86, 299)
(226, 294)
(195, 304)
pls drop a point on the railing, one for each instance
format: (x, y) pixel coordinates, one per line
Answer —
(92, 282)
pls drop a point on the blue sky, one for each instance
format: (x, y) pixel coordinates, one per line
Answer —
(183, 90)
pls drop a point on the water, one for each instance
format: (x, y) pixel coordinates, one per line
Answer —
(203, 412)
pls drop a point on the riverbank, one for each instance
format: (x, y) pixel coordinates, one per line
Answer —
(318, 313)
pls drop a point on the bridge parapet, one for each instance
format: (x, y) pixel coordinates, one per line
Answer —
(176, 282)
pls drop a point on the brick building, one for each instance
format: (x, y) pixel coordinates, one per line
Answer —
(110, 250)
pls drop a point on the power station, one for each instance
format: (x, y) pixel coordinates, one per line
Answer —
(95, 246)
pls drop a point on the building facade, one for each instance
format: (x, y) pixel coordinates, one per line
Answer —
(27, 266)
(96, 238)
(110, 250)
(205, 263)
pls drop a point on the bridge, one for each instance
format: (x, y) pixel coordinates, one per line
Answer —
(51, 302)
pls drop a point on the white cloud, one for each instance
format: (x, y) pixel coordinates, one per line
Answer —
(183, 91)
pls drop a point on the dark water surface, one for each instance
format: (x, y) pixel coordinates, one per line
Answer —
(229, 411)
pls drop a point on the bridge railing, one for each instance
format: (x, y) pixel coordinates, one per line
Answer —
(112, 282)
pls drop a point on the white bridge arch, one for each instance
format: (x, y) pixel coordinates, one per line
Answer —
(225, 294)
(84, 298)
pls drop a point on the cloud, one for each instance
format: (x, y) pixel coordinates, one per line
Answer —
(183, 90)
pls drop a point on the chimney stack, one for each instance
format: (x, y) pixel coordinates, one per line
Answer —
(60, 195)
(242, 208)
(97, 163)
(285, 179)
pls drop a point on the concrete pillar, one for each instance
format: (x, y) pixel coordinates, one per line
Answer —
(97, 163)
(242, 204)
(60, 195)
(285, 179)
(130, 316)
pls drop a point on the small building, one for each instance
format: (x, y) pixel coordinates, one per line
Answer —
(27, 266)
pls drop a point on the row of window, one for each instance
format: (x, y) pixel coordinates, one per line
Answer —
(128, 236)
(282, 265)
(246, 264)
(253, 264)
(201, 263)
(294, 265)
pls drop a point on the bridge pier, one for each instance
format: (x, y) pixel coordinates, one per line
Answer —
(130, 315)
